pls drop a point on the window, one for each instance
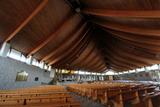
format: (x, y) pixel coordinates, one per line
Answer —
(154, 67)
(23, 58)
(132, 71)
(109, 73)
(49, 68)
(28, 60)
(22, 76)
(45, 66)
(14, 54)
(140, 69)
(35, 62)
(125, 72)
(81, 72)
(41, 64)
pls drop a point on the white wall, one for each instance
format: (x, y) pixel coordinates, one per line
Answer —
(10, 67)
(140, 76)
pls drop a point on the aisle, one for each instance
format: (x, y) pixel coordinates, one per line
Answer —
(85, 102)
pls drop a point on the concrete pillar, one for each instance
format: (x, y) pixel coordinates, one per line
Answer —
(110, 77)
(158, 67)
(102, 78)
(97, 77)
(146, 70)
(52, 73)
(78, 76)
(4, 49)
(43, 65)
(29, 60)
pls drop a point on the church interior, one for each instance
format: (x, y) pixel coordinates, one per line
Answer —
(79, 53)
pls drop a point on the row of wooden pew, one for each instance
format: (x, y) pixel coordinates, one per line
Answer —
(118, 94)
(42, 96)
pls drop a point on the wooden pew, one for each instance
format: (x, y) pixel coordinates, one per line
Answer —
(37, 97)
(111, 92)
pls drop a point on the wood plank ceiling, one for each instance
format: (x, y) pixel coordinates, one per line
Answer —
(92, 35)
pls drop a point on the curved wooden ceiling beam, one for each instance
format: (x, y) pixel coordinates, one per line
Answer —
(98, 68)
(127, 58)
(69, 42)
(88, 59)
(76, 53)
(131, 60)
(127, 28)
(85, 54)
(66, 60)
(147, 48)
(117, 55)
(70, 50)
(116, 60)
(27, 20)
(92, 59)
(96, 61)
(135, 38)
(152, 49)
(136, 55)
(120, 58)
(93, 63)
(123, 13)
(53, 35)
(118, 69)
(74, 58)
(101, 68)
(121, 63)
(112, 53)
(121, 67)
(129, 47)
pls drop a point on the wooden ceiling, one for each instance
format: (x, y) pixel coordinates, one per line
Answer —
(92, 35)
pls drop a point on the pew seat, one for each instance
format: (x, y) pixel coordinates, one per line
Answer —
(46, 96)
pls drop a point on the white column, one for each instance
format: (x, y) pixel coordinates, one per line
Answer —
(158, 67)
(4, 49)
(52, 73)
(29, 60)
(110, 77)
(146, 70)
